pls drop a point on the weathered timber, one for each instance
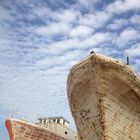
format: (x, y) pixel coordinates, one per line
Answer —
(104, 98)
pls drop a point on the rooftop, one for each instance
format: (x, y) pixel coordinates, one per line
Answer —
(54, 117)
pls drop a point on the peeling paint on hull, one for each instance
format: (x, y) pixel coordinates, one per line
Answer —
(21, 130)
(104, 98)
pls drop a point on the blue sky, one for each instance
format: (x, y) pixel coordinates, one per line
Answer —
(40, 40)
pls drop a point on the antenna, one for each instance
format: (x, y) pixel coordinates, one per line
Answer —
(11, 114)
(127, 60)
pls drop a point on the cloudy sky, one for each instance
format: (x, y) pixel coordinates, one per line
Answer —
(40, 40)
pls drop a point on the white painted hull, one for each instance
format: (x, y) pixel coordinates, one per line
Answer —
(104, 98)
(21, 130)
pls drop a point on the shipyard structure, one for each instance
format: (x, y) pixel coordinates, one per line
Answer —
(58, 125)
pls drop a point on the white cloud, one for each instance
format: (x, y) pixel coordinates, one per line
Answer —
(95, 20)
(135, 19)
(133, 51)
(127, 37)
(68, 15)
(118, 24)
(81, 31)
(88, 4)
(63, 62)
(120, 6)
(130, 34)
(53, 29)
(57, 48)
(95, 40)
(61, 15)
(4, 14)
(43, 12)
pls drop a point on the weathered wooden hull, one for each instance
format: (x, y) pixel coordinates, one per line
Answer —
(104, 98)
(21, 130)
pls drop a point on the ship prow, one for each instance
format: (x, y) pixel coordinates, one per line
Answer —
(46, 128)
(22, 130)
(104, 97)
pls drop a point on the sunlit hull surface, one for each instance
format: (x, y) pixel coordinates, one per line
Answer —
(21, 130)
(104, 97)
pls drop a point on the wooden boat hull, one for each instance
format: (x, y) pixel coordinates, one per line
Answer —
(104, 98)
(21, 130)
